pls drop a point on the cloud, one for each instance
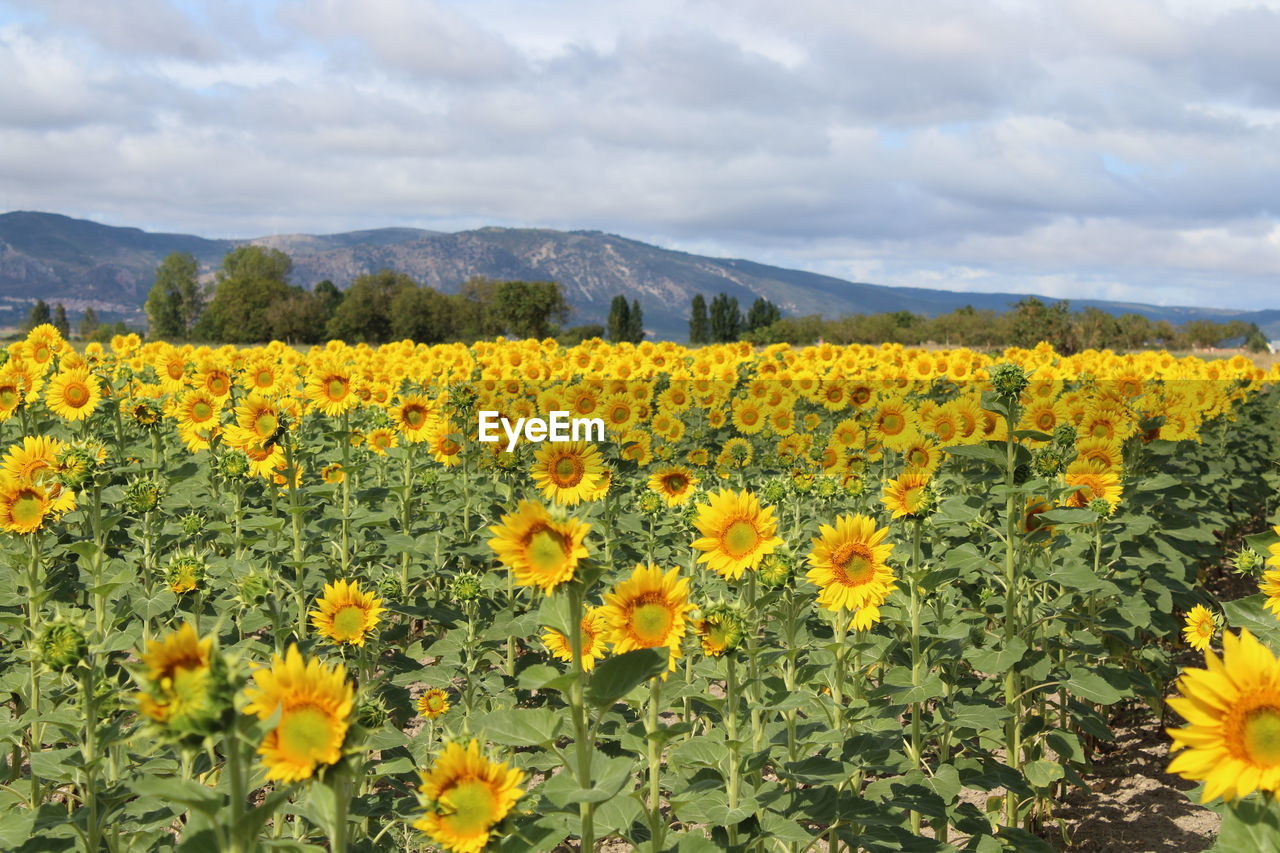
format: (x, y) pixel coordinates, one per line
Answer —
(1078, 147)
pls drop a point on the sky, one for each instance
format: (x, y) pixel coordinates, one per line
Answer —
(1071, 148)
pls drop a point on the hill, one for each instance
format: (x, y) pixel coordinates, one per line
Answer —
(79, 263)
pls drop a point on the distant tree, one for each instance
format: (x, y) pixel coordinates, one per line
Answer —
(1255, 340)
(699, 325)
(476, 310)
(530, 309)
(39, 315)
(60, 320)
(761, 314)
(635, 323)
(105, 332)
(176, 298)
(425, 315)
(88, 323)
(251, 280)
(619, 319)
(298, 317)
(726, 319)
(575, 335)
(365, 311)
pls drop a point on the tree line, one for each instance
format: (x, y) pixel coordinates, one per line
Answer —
(1030, 321)
(90, 328)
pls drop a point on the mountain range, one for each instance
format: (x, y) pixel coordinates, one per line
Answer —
(81, 263)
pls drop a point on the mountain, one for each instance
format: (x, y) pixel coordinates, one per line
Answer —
(80, 263)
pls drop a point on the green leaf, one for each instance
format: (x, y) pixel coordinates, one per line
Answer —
(617, 676)
(1043, 773)
(1068, 515)
(521, 726)
(1251, 613)
(991, 451)
(1089, 685)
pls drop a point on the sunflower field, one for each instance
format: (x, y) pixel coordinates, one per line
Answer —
(829, 598)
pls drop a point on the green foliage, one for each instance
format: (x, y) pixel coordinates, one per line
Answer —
(60, 320)
(530, 309)
(251, 280)
(176, 299)
(38, 316)
(366, 309)
(762, 314)
(726, 319)
(626, 321)
(699, 324)
(424, 315)
(88, 322)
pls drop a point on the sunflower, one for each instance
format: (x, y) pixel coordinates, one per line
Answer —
(1096, 482)
(748, 418)
(259, 417)
(382, 440)
(23, 506)
(187, 688)
(567, 472)
(34, 459)
(197, 410)
(906, 494)
(1232, 742)
(466, 795)
(347, 615)
(314, 702)
(331, 390)
(594, 642)
(433, 703)
(675, 483)
(412, 416)
(1200, 628)
(73, 394)
(849, 564)
(538, 549)
(333, 473)
(445, 448)
(737, 533)
(649, 610)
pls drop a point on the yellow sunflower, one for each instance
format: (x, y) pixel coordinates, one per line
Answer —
(23, 506)
(1200, 628)
(182, 691)
(649, 610)
(347, 615)
(568, 471)
(259, 417)
(538, 549)
(1098, 482)
(1232, 707)
(466, 795)
(382, 440)
(34, 459)
(906, 495)
(333, 473)
(197, 410)
(849, 564)
(595, 644)
(675, 483)
(737, 533)
(314, 701)
(412, 416)
(433, 703)
(331, 390)
(73, 394)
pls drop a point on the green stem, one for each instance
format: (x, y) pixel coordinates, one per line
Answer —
(577, 703)
(731, 729)
(657, 828)
(1012, 678)
(345, 550)
(917, 660)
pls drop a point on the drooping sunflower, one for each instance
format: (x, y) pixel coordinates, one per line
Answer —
(906, 495)
(259, 417)
(433, 703)
(675, 483)
(1232, 707)
(567, 471)
(595, 643)
(347, 615)
(445, 448)
(315, 702)
(737, 533)
(540, 550)
(467, 794)
(333, 473)
(1200, 627)
(649, 610)
(186, 686)
(73, 394)
(34, 459)
(849, 564)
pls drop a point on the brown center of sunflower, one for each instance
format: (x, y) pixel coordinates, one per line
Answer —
(547, 550)
(892, 423)
(946, 430)
(76, 394)
(8, 397)
(472, 807)
(675, 483)
(567, 471)
(740, 538)
(1045, 420)
(415, 416)
(219, 384)
(176, 369)
(264, 378)
(917, 457)
(336, 389)
(28, 509)
(382, 441)
(748, 416)
(913, 497)
(41, 353)
(201, 411)
(1260, 736)
(265, 423)
(304, 733)
(348, 623)
(852, 563)
(1102, 429)
(651, 621)
(620, 414)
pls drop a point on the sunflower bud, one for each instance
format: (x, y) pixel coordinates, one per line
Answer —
(722, 628)
(1101, 506)
(185, 573)
(252, 588)
(62, 645)
(1047, 462)
(1246, 561)
(389, 586)
(826, 487)
(776, 571)
(774, 491)
(372, 713)
(192, 524)
(1021, 473)
(802, 482)
(1064, 435)
(145, 494)
(187, 690)
(1009, 381)
(76, 465)
(650, 503)
(466, 587)
(233, 464)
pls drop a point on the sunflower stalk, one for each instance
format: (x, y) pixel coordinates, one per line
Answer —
(731, 729)
(582, 740)
(1012, 678)
(917, 659)
(345, 544)
(658, 827)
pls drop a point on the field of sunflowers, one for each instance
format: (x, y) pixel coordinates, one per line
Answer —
(831, 598)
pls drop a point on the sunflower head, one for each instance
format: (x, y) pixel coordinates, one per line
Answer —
(188, 690)
(737, 533)
(62, 645)
(649, 610)
(345, 614)
(433, 703)
(722, 628)
(540, 550)
(465, 796)
(849, 564)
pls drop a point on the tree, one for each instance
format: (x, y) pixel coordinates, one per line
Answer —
(699, 326)
(619, 319)
(365, 311)
(251, 280)
(726, 319)
(424, 315)
(530, 309)
(88, 323)
(39, 315)
(476, 312)
(575, 335)
(1255, 340)
(60, 320)
(299, 317)
(176, 299)
(635, 323)
(761, 314)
